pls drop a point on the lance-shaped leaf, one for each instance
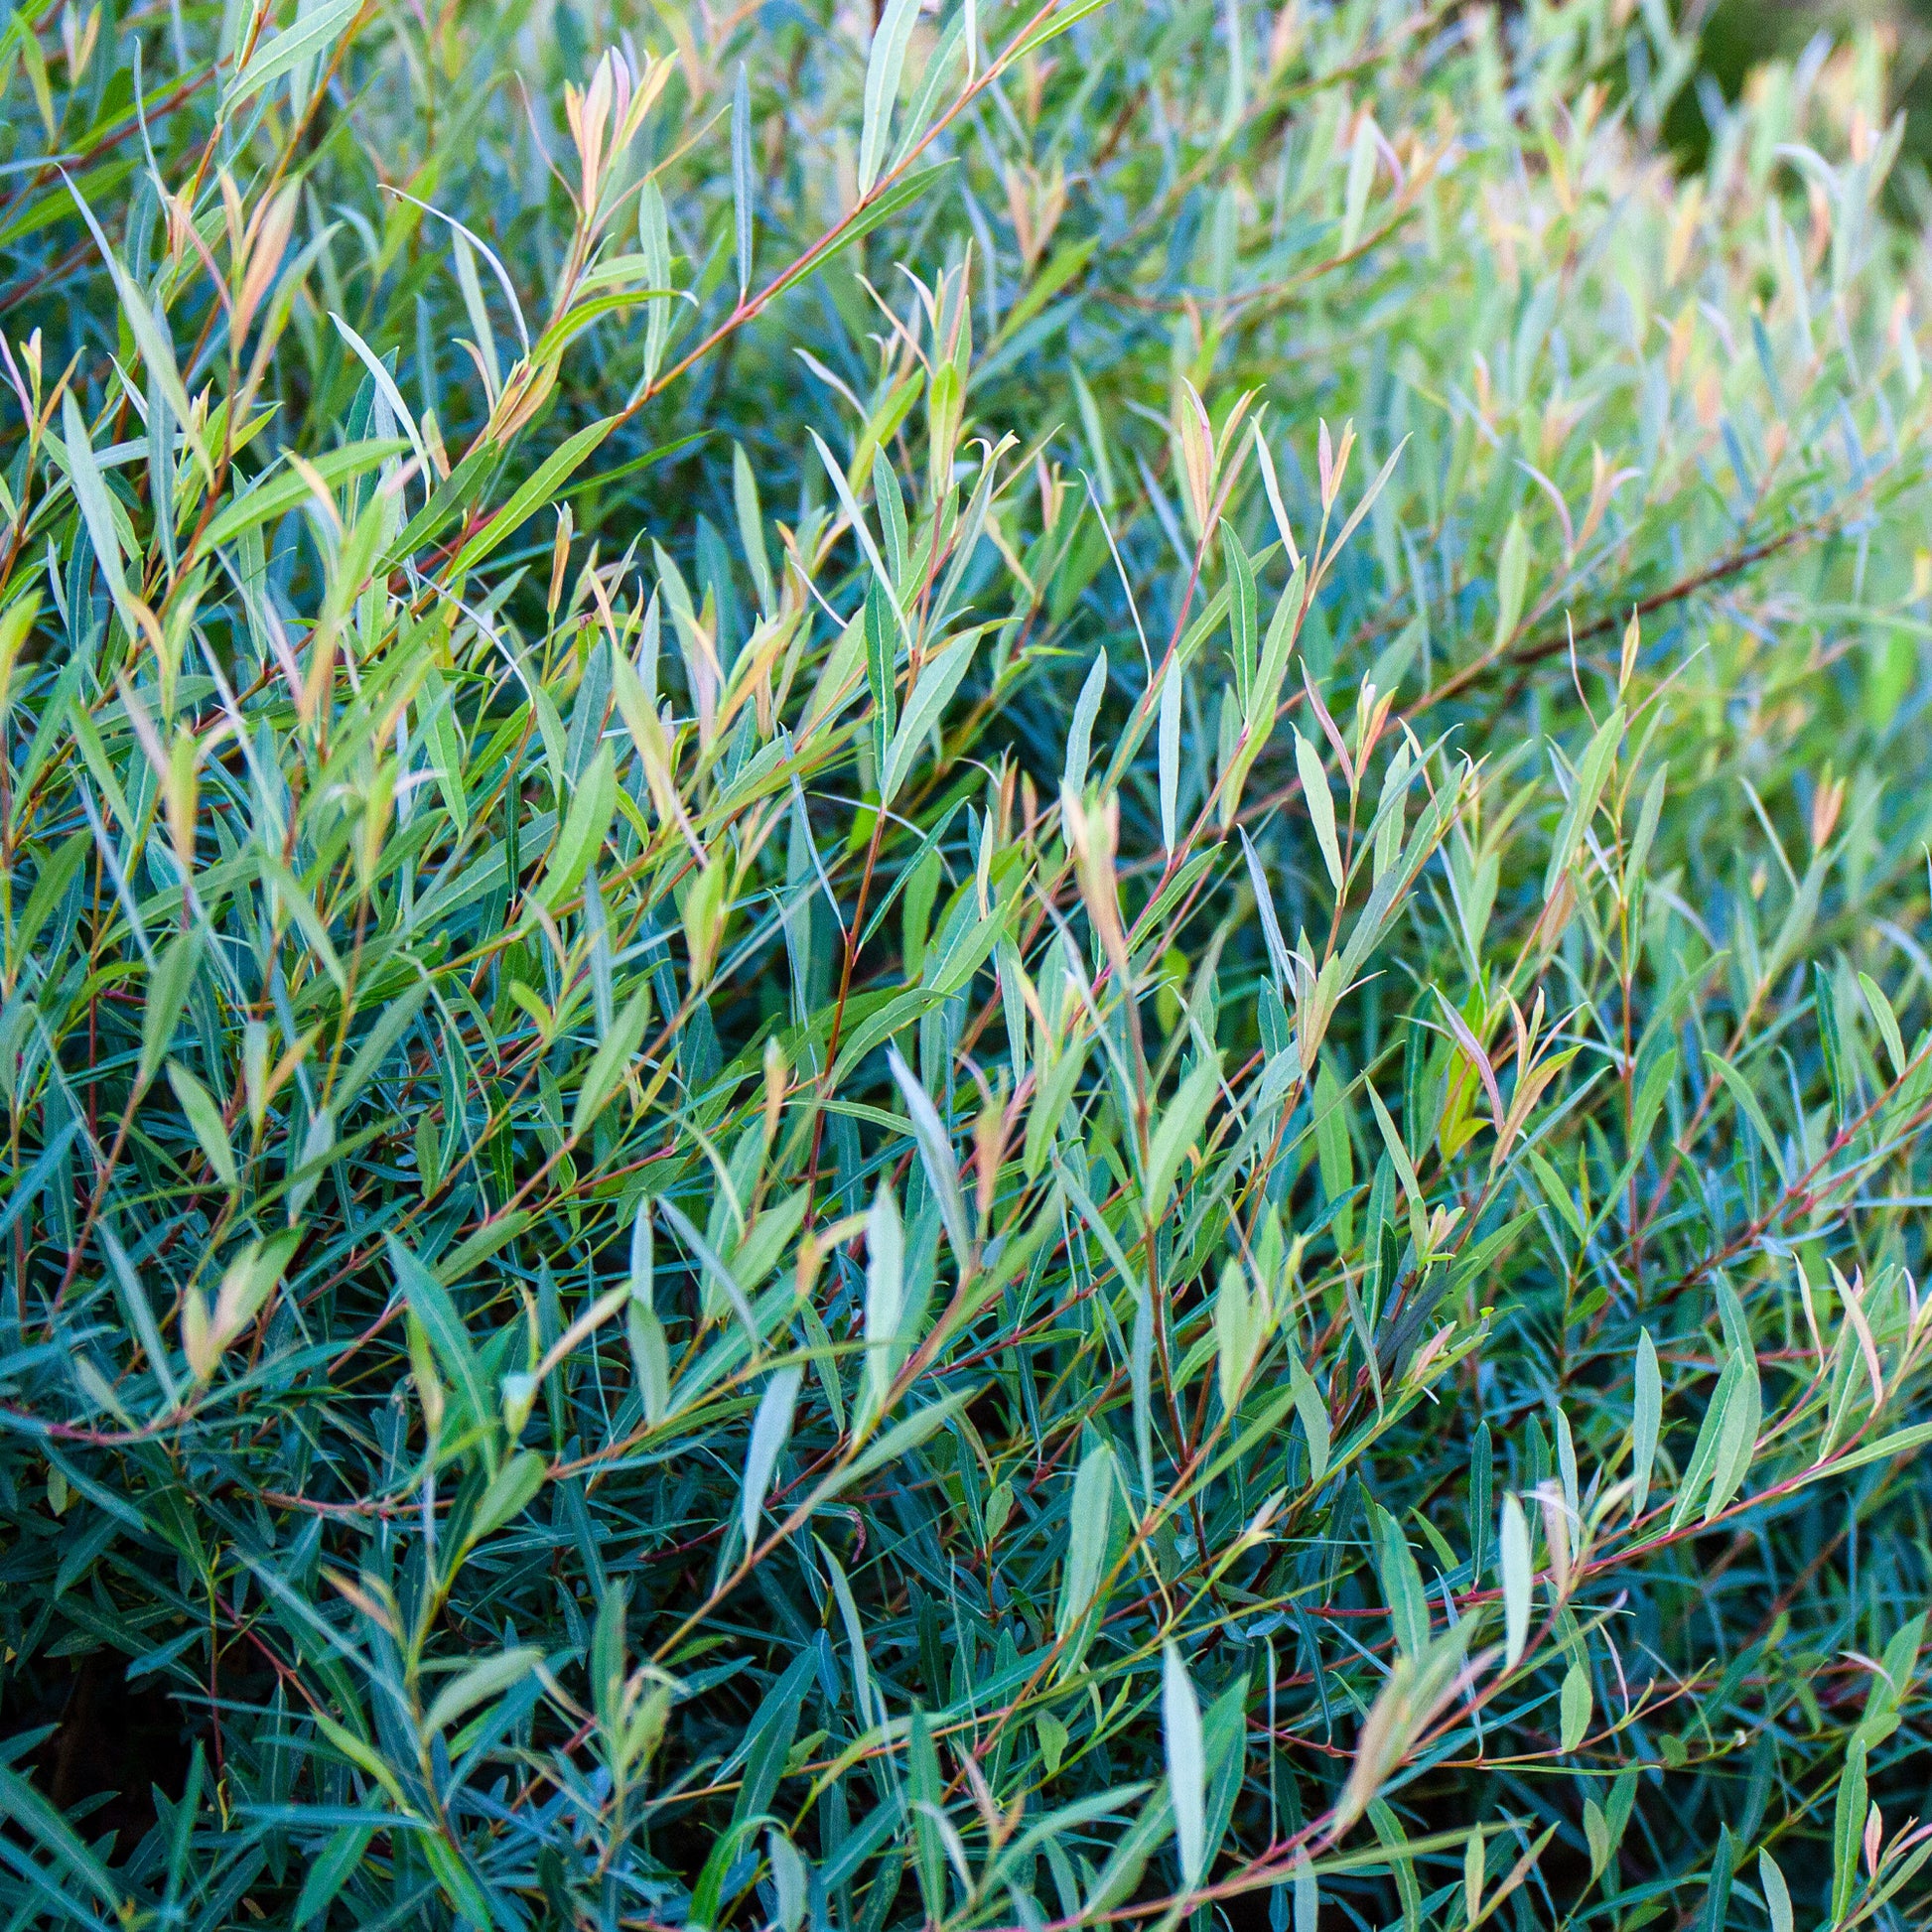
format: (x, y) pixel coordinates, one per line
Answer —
(1314, 1414)
(1513, 1546)
(1717, 1437)
(1180, 1731)
(884, 1301)
(1080, 736)
(1089, 1522)
(771, 1429)
(614, 1055)
(586, 826)
(1321, 806)
(97, 512)
(743, 190)
(1178, 1132)
(883, 69)
(938, 680)
(1412, 1695)
(1646, 1422)
(309, 35)
(1586, 793)
(1170, 755)
(479, 1683)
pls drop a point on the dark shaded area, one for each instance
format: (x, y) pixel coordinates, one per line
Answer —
(111, 1743)
(1739, 34)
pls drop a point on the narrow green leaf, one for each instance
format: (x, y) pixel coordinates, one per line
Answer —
(1646, 1422)
(1361, 177)
(901, 195)
(1513, 1543)
(1050, 26)
(1704, 1454)
(480, 1682)
(885, 1298)
(1170, 755)
(883, 69)
(928, 1793)
(1597, 1835)
(1831, 1042)
(1243, 617)
(617, 1049)
(1777, 1894)
(1738, 1436)
(1402, 1864)
(654, 242)
(96, 512)
(133, 1298)
(305, 37)
(1307, 1895)
(285, 489)
(540, 490)
(926, 705)
(1080, 736)
(750, 527)
(511, 1491)
(168, 984)
(329, 1871)
(1186, 1765)
(494, 1235)
(1512, 576)
(1847, 1829)
(1179, 1128)
(1887, 1022)
(205, 1116)
(1089, 1522)
(1314, 1414)
(1321, 806)
(789, 1879)
(936, 1156)
(743, 190)
(775, 1724)
(1402, 1586)
(430, 1301)
(39, 1821)
(586, 827)
(391, 1024)
(1576, 1702)
(771, 1429)
(900, 1440)
(1586, 794)
(1746, 1103)
(386, 385)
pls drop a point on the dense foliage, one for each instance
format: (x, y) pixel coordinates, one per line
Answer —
(959, 969)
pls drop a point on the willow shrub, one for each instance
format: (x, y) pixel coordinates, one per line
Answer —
(965, 972)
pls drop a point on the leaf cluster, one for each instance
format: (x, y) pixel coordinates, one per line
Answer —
(962, 967)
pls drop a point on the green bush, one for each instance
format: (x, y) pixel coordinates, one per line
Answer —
(961, 971)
